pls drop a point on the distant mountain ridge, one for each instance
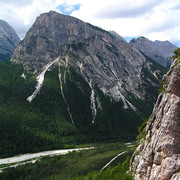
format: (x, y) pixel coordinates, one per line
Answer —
(160, 51)
(8, 40)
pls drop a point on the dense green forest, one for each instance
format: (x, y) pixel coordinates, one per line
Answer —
(45, 123)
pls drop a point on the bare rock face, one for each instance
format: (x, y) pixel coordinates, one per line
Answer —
(160, 51)
(8, 40)
(158, 155)
(117, 35)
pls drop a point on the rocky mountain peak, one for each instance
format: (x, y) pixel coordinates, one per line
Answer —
(158, 155)
(160, 51)
(108, 62)
(8, 40)
(55, 33)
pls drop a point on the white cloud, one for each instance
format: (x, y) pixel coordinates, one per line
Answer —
(126, 8)
(156, 20)
(150, 18)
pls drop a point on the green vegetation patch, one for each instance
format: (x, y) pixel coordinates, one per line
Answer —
(176, 53)
(119, 172)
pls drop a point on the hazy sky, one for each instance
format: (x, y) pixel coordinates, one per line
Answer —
(154, 19)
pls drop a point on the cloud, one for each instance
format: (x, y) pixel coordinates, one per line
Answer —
(176, 7)
(18, 3)
(127, 9)
(156, 20)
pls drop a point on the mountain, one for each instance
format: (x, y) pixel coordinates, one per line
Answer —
(8, 40)
(158, 154)
(160, 51)
(115, 34)
(98, 57)
(69, 82)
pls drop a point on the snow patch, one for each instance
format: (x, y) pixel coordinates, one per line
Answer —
(99, 106)
(62, 92)
(23, 76)
(66, 65)
(93, 102)
(113, 160)
(40, 80)
(136, 95)
(155, 75)
(92, 97)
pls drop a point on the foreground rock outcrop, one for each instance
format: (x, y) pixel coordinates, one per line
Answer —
(8, 40)
(158, 155)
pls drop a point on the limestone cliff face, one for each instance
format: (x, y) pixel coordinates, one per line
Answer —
(158, 155)
(8, 40)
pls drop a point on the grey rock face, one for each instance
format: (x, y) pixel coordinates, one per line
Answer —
(102, 59)
(8, 40)
(158, 155)
(115, 34)
(160, 51)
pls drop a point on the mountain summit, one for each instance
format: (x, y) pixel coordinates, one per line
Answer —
(8, 40)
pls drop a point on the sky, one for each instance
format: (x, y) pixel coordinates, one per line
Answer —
(153, 19)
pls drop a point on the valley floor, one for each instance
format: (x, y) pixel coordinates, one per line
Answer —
(73, 163)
